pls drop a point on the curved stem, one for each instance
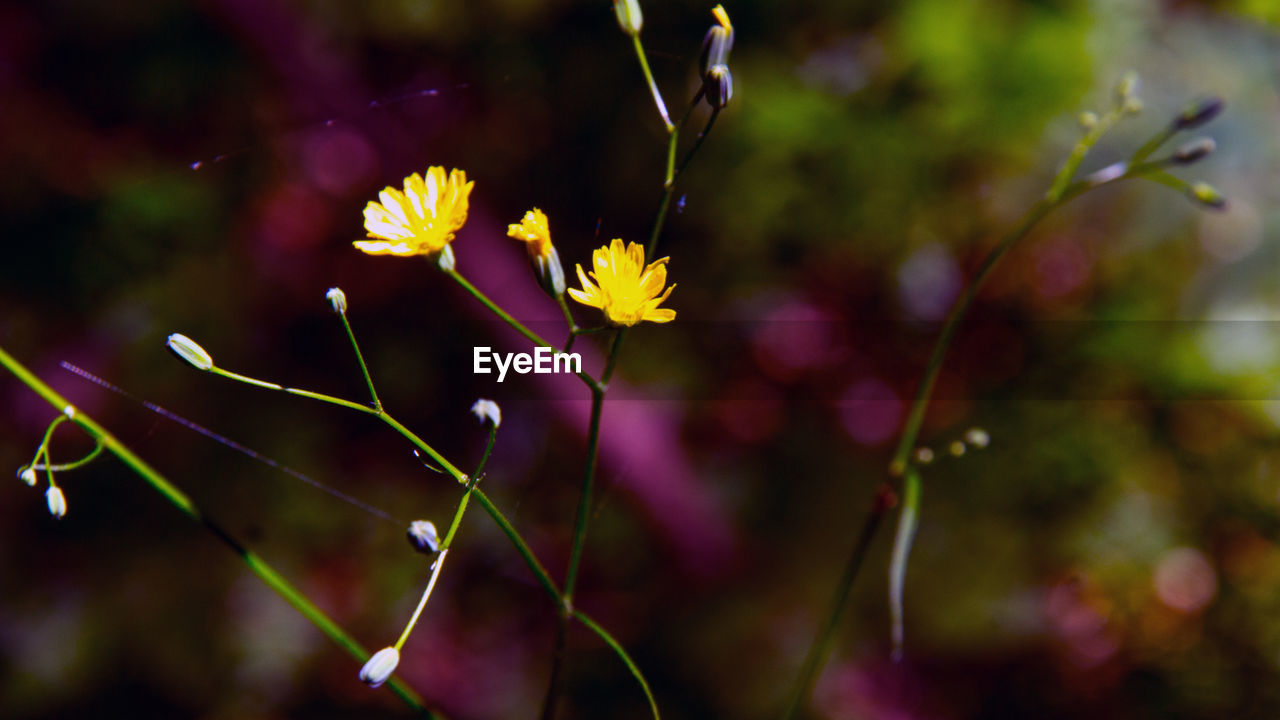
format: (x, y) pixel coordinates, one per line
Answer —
(622, 654)
(653, 86)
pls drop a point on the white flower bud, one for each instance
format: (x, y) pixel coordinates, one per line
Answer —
(977, 437)
(28, 476)
(190, 351)
(56, 500)
(380, 666)
(924, 455)
(630, 19)
(337, 300)
(423, 536)
(488, 410)
(1088, 120)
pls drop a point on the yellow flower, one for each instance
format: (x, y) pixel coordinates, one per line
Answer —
(625, 288)
(422, 219)
(534, 231)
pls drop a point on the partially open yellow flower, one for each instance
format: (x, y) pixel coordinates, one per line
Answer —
(422, 219)
(533, 230)
(625, 288)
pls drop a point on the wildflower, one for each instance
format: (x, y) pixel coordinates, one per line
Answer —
(718, 41)
(28, 476)
(337, 300)
(487, 410)
(189, 350)
(625, 289)
(536, 235)
(423, 536)
(422, 219)
(380, 666)
(56, 501)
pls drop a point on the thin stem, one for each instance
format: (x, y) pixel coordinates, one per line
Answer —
(471, 486)
(43, 448)
(183, 503)
(653, 86)
(612, 362)
(368, 380)
(1068, 170)
(622, 654)
(539, 572)
(697, 144)
(568, 318)
(1154, 144)
(292, 391)
(95, 452)
(426, 595)
(584, 496)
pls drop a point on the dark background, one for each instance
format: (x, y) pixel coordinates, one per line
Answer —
(1112, 554)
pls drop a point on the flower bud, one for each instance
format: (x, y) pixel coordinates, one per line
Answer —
(337, 300)
(1207, 195)
(1193, 151)
(380, 666)
(1198, 113)
(28, 476)
(56, 501)
(487, 410)
(924, 456)
(719, 86)
(190, 351)
(957, 449)
(977, 437)
(423, 537)
(446, 259)
(549, 270)
(1088, 120)
(630, 19)
(1133, 106)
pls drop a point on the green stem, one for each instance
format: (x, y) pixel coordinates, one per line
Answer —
(95, 452)
(584, 496)
(436, 567)
(568, 318)
(653, 86)
(368, 380)
(539, 572)
(1068, 170)
(697, 144)
(622, 654)
(183, 503)
(292, 391)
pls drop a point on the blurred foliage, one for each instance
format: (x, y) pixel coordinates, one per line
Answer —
(1113, 553)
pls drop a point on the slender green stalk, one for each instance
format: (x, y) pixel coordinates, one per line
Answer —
(584, 496)
(42, 450)
(364, 369)
(653, 86)
(436, 567)
(63, 467)
(697, 144)
(568, 318)
(539, 571)
(1068, 170)
(180, 500)
(622, 653)
(292, 391)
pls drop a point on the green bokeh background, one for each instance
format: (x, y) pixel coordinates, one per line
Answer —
(1125, 359)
